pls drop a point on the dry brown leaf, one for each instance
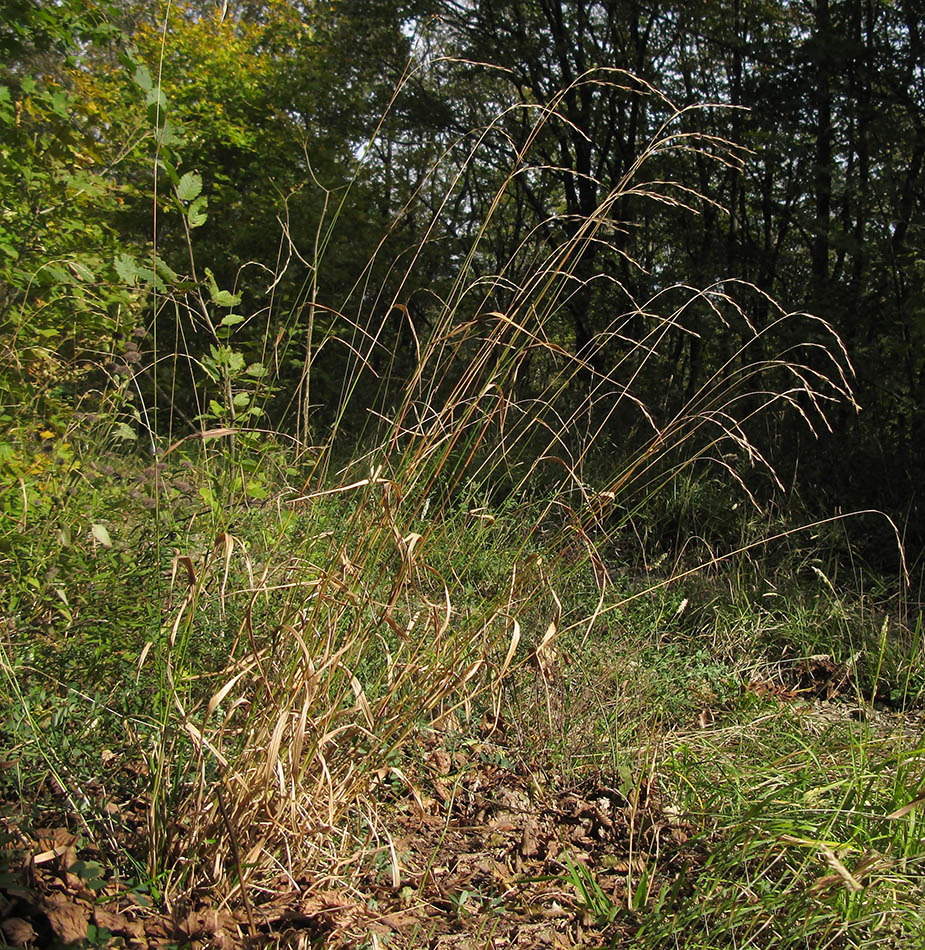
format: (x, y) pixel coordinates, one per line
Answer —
(51, 839)
(705, 719)
(186, 562)
(325, 902)
(18, 932)
(118, 924)
(68, 920)
(535, 936)
(157, 929)
(907, 808)
(440, 762)
(198, 924)
(401, 920)
(529, 847)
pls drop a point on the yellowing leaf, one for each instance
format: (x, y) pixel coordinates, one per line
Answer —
(100, 533)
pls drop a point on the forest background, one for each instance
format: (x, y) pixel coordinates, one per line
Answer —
(406, 400)
(279, 107)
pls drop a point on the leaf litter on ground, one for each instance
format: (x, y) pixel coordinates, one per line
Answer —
(476, 853)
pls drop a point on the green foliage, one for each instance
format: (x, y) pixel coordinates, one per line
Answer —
(808, 830)
(62, 289)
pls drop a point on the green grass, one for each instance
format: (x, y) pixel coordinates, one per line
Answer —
(790, 843)
(797, 845)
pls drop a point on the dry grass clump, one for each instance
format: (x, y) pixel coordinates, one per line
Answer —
(374, 630)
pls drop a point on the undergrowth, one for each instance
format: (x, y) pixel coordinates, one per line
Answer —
(265, 625)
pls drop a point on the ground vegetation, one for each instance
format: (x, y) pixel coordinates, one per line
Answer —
(459, 474)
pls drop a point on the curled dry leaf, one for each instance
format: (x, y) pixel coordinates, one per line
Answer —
(906, 809)
(706, 718)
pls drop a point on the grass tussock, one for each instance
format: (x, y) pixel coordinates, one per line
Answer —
(368, 638)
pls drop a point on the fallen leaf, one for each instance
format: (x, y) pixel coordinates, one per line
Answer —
(68, 920)
(18, 932)
(118, 924)
(529, 847)
(440, 762)
(198, 925)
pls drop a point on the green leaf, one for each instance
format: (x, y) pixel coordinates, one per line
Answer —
(255, 489)
(166, 271)
(59, 103)
(81, 271)
(126, 268)
(143, 78)
(156, 97)
(169, 170)
(87, 870)
(232, 319)
(196, 215)
(147, 276)
(190, 186)
(256, 369)
(222, 298)
(101, 534)
(208, 496)
(170, 135)
(126, 432)
(241, 400)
